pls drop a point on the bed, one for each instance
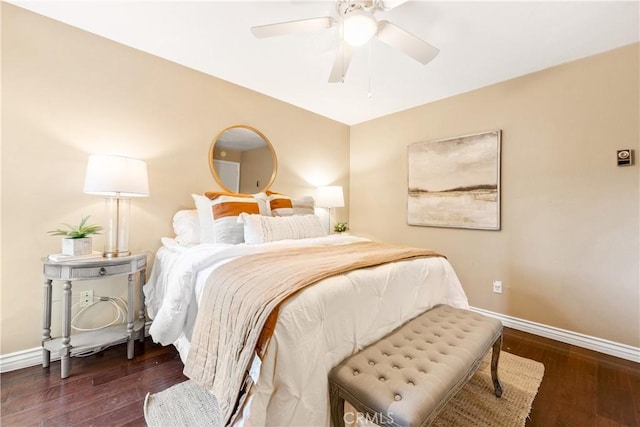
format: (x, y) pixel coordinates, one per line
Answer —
(315, 329)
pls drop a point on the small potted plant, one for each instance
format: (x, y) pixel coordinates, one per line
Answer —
(76, 240)
(341, 227)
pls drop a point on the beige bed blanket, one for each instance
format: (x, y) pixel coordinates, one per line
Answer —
(242, 295)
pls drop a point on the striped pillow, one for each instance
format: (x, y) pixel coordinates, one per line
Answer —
(280, 204)
(225, 209)
(262, 229)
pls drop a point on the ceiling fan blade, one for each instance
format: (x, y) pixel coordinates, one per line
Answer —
(291, 27)
(406, 42)
(341, 64)
(390, 4)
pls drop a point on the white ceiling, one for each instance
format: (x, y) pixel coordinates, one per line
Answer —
(239, 139)
(480, 43)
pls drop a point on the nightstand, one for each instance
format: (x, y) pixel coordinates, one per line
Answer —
(68, 272)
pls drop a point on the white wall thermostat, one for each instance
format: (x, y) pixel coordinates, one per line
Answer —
(625, 157)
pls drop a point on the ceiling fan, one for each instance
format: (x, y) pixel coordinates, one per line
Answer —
(357, 25)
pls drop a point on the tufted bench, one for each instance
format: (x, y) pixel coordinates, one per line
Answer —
(407, 377)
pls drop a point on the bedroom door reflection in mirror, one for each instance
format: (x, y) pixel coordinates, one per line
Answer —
(242, 160)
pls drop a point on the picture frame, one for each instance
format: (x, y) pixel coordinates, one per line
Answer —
(455, 182)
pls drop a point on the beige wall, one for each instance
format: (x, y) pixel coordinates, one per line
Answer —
(568, 248)
(67, 94)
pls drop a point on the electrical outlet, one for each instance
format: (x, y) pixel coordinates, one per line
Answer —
(497, 286)
(86, 298)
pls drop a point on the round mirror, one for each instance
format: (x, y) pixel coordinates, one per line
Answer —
(242, 160)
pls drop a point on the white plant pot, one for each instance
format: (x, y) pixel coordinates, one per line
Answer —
(81, 246)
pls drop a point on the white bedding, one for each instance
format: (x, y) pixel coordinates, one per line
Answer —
(315, 330)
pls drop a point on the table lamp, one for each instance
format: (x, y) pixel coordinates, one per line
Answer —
(330, 196)
(118, 179)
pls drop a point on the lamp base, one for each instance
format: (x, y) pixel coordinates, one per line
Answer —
(117, 230)
(116, 254)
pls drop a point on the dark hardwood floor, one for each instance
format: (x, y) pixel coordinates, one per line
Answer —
(580, 387)
(105, 389)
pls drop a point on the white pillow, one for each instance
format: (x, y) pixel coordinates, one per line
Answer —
(263, 203)
(205, 216)
(186, 226)
(218, 211)
(303, 206)
(225, 209)
(280, 204)
(263, 229)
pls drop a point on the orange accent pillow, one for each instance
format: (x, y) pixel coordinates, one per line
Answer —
(223, 212)
(215, 194)
(280, 205)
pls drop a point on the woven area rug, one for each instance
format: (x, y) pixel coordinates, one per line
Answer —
(187, 405)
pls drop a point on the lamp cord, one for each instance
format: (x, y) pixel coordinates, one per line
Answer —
(118, 303)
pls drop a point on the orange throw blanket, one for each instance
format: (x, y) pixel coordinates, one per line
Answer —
(239, 305)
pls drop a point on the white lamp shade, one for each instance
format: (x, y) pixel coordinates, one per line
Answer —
(115, 176)
(330, 196)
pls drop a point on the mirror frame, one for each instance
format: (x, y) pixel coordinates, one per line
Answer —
(274, 160)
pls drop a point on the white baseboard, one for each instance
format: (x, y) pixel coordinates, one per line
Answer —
(33, 356)
(612, 348)
(23, 359)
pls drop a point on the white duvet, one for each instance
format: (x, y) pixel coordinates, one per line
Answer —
(316, 329)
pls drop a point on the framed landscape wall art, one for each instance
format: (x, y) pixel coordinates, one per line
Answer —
(455, 182)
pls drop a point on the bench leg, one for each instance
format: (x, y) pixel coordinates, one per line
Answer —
(337, 406)
(495, 356)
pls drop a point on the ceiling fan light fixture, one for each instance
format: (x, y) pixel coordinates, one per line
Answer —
(358, 27)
